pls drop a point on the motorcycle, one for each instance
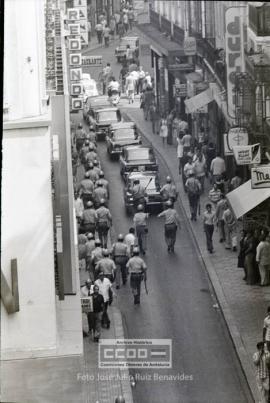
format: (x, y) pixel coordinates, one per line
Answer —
(114, 97)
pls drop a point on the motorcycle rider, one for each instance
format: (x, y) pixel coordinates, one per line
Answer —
(172, 222)
(113, 86)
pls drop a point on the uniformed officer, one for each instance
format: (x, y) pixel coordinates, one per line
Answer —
(140, 223)
(137, 270)
(84, 151)
(89, 218)
(97, 166)
(104, 182)
(86, 188)
(106, 265)
(90, 246)
(80, 137)
(92, 173)
(91, 135)
(104, 222)
(120, 256)
(172, 221)
(100, 193)
(97, 253)
(168, 191)
(138, 194)
(91, 156)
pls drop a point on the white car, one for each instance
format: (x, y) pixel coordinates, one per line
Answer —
(89, 86)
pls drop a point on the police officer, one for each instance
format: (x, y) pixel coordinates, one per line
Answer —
(138, 194)
(120, 256)
(106, 265)
(86, 188)
(100, 193)
(96, 254)
(168, 191)
(97, 166)
(89, 218)
(91, 136)
(140, 223)
(84, 151)
(91, 156)
(172, 221)
(104, 222)
(104, 182)
(90, 246)
(137, 270)
(80, 137)
(92, 173)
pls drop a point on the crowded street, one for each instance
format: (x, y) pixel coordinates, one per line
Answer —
(147, 164)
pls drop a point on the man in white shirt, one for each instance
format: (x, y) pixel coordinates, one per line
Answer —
(105, 285)
(130, 240)
(217, 167)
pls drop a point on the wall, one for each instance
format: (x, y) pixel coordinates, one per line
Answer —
(27, 234)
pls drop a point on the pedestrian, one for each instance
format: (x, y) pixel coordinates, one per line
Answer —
(175, 128)
(172, 223)
(89, 29)
(125, 21)
(263, 260)
(241, 255)
(117, 18)
(169, 119)
(112, 26)
(217, 167)
(250, 258)
(209, 219)
(106, 265)
(106, 35)
(236, 181)
(221, 206)
(96, 316)
(180, 152)
(137, 269)
(80, 137)
(90, 246)
(86, 291)
(200, 168)
(201, 136)
(104, 222)
(89, 218)
(163, 130)
(193, 188)
(261, 360)
(130, 240)
(82, 239)
(129, 55)
(154, 117)
(214, 194)
(130, 88)
(149, 98)
(169, 191)
(120, 256)
(188, 167)
(99, 194)
(96, 254)
(183, 126)
(141, 79)
(230, 226)
(79, 207)
(130, 17)
(210, 153)
(105, 290)
(121, 29)
(86, 188)
(186, 140)
(99, 31)
(140, 223)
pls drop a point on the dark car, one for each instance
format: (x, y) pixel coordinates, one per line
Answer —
(120, 135)
(133, 42)
(92, 103)
(103, 118)
(138, 159)
(150, 181)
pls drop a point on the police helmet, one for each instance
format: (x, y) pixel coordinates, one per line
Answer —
(102, 201)
(90, 165)
(91, 128)
(168, 179)
(96, 163)
(91, 147)
(101, 174)
(86, 142)
(98, 183)
(97, 242)
(88, 281)
(120, 399)
(120, 237)
(105, 252)
(79, 126)
(136, 251)
(140, 207)
(90, 236)
(86, 175)
(89, 204)
(169, 203)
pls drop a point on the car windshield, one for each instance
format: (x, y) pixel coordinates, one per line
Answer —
(145, 182)
(104, 116)
(121, 134)
(138, 154)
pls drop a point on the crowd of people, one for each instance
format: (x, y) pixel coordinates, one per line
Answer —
(105, 264)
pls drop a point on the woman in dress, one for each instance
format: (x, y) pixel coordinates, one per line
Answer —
(163, 130)
(180, 151)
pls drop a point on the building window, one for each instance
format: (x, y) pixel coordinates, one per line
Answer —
(259, 19)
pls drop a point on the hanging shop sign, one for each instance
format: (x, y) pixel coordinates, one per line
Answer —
(76, 104)
(180, 90)
(75, 74)
(246, 155)
(73, 29)
(190, 46)
(74, 44)
(236, 136)
(84, 38)
(260, 177)
(181, 67)
(82, 7)
(92, 61)
(76, 89)
(75, 59)
(234, 55)
(73, 14)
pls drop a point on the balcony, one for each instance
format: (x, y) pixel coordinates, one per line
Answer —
(215, 57)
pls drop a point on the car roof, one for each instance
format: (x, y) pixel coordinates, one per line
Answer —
(122, 125)
(137, 146)
(138, 175)
(107, 109)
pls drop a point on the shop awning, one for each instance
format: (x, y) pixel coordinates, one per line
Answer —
(198, 101)
(244, 198)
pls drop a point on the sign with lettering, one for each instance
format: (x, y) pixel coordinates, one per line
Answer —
(74, 29)
(76, 89)
(181, 67)
(83, 26)
(190, 46)
(180, 90)
(76, 104)
(73, 14)
(92, 61)
(246, 155)
(74, 44)
(84, 38)
(75, 74)
(260, 177)
(87, 304)
(82, 13)
(234, 56)
(75, 59)
(236, 136)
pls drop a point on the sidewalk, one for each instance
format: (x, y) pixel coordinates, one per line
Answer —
(243, 306)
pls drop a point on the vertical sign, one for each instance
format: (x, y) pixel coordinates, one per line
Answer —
(81, 6)
(234, 54)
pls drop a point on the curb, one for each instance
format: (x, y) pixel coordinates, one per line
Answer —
(243, 355)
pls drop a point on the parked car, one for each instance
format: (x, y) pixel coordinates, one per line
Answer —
(92, 103)
(120, 51)
(103, 119)
(137, 158)
(150, 181)
(120, 135)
